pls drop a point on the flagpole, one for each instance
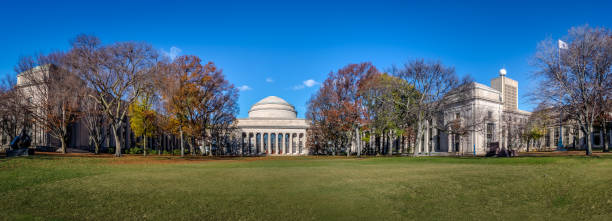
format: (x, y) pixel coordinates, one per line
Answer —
(560, 141)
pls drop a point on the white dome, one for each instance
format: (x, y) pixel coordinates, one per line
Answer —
(502, 71)
(272, 107)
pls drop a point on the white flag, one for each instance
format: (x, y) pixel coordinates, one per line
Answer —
(562, 45)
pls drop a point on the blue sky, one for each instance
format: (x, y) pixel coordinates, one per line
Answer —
(286, 48)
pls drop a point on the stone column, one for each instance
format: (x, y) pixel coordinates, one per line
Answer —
(300, 143)
(277, 146)
(450, 143)
(427, 135)
(291, 143)
(282, 144)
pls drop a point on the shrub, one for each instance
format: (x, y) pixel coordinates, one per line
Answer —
(176, 152)
(111, 150)
(135, 150)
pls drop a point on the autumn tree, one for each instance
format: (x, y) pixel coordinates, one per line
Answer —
(52, 92)
(202, 103)
(143, 117)
(385, 98)
(576, 76)
(113, 72)
(219, 107)
(337, 108)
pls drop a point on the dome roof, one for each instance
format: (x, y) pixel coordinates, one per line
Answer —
(272, 107)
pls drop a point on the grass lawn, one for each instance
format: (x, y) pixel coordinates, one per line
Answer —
(306, 188)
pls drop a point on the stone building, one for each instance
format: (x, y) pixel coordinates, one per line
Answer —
(476, 117)
(272, 128)
(561, 132)
(78, 134)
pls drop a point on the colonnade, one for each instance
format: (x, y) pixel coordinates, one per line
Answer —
(273, 142)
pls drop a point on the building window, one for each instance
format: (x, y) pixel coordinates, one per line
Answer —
(596, 138)
(490, 132)
(489, 114)
(457, 115)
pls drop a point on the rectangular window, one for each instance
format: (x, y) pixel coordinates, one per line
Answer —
(490, 132)
(490, 114)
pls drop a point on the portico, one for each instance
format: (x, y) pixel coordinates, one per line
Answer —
(272, 128)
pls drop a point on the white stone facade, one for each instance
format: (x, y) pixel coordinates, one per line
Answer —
(272, 128)
(486, 114)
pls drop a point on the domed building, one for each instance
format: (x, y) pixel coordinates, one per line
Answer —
(272, 128)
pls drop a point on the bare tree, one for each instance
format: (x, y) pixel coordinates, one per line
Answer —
(576, 77)
(433, 81)
(113, 73)
(12, 112)
(52, 93)
(94, 119)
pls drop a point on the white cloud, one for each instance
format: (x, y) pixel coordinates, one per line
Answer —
(174, 52)
(269, 80)
(310, 83)
(244, 88)
(305, 84)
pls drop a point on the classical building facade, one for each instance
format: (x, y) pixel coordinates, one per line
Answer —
(475, 118)
(272, 128)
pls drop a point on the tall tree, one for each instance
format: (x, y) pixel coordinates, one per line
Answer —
(52, 92)
(113, 72)
(12, 112)
(432, 81)
(203, 104)
(338, 108)
(94, 119)
(576, 76)
(385, 98)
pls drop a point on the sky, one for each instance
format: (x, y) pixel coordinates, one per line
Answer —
(286, 48)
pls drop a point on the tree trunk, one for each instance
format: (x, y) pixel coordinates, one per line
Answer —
(191, 146)
(589, 148)
(358, 140)
(117, 140)
(63, 148)
(210, 148)
(348, 149)
(528, 143)
(391, 143)
(605, 137)
(144, 145)
(417, 143)
(182, 145)
(96, 147)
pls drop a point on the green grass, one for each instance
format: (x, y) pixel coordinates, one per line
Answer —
(307, 188)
